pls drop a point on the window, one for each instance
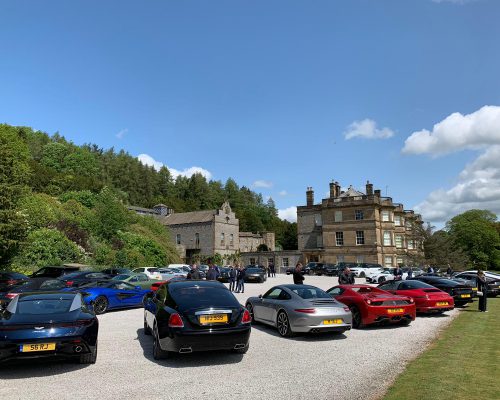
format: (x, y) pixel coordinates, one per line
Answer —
(335, 291)
(319, 241)
(360, 237)
(252, 261)
(231, 239)
(197, 239)
(285, 262)
(338, 216)
(360, 259)
(411, 244)
(317, 220)
(339, 238)
(358, 215)
(398, 239)
(273, 294)
(386, 216)
(387, 238)
(178, 238)
(388, 261)
(399, 261)
(397, 220)
(222, 239)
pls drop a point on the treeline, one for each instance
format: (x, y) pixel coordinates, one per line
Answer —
(42, 172)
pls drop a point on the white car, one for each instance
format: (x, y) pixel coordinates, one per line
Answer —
(151, 272)
(362, 272)
(168, 273)
(383, 277)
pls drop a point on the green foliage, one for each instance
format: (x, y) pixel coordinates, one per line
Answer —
(139, 251)
(111, 215)
(45, 247)
(40, 210)
(84, 197)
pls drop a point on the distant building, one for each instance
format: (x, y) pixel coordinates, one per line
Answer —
(351, 226)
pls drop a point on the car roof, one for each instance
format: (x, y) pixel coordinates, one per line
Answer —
(191, 283)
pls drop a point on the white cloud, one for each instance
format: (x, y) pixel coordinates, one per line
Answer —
(453, 1)
(283, 193)
(148, 160)
(120, 134)
(367, 129)
(262, 184)
(457, 132)
(290, 214)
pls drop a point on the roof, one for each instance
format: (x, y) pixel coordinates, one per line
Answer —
(351, 192)
(189, 217)
(148, 210)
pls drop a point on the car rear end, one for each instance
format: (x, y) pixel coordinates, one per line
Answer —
(321, 315)
(387, 309)
(434, 301)
(462, 294)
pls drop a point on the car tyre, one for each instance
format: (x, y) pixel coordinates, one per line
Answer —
(362, 275)
(158, 353)
(101, 305)
(357, 321)
(381, 279)
(249, 307)
(147, 329)
(241, 351)
(311, 272)
(89, 358)
(283, 324)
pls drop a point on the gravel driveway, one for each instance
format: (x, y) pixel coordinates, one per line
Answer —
(357, 365)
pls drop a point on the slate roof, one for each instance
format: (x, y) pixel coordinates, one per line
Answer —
(189, 217)
(351, 192)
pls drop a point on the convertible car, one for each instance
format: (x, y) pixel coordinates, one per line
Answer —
(427, 298)
(371, 305)
(111, 295)
(299, 308)
(48, 324)
(187, 316)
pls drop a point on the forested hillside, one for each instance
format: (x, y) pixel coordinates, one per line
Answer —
(68, 201)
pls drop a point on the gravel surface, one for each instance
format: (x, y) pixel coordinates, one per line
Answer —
(358, 365)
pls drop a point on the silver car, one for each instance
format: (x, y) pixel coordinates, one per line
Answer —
(299, 308)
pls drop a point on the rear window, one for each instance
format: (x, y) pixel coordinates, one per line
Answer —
(415, 285)
(44, 306)
(199, 296)
(311, 293)
(152, 269)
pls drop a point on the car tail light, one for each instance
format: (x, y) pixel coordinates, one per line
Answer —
(306, 310)
(11, 295)
(246, 319)
(368, 301)
(347, 308)
(175, 321)
(411, 300)
(11, 282)
(69, 283)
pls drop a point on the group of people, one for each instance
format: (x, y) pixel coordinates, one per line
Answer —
(237, 276)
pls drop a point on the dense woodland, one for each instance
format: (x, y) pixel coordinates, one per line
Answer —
(62, 202)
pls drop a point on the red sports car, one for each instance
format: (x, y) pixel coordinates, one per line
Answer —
(428, 299)
(371, 305)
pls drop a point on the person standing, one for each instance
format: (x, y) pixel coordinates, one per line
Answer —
(345, 277)
(233, 272)
(298, 277)
(240, 288)
(410, 273)
(273, 270)
(194, 274)
(268, 270)
(211, 273)
(449, 271)
(398, 273)
(482, 286)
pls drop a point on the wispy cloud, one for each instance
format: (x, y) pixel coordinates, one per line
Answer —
(146, 159)
(290, 214)
(367, 129)
(262, 184)
(283, 193)
(454, 1)
(122, 133)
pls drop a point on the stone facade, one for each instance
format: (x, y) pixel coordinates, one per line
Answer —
(357, 227)
(251, 241)
(281, 259)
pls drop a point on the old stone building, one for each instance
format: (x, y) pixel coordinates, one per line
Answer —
(251, 241)
(351, 226)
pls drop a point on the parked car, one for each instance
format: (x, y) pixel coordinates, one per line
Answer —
(151, 272)
(385, 275)
(183, 267)
(333, 270)
(110, 295)
(427, 298)
(46, 273)
(11, 292)
(141, 280)
(363, 270)
(371, 305)
(224, 275)
(48, 324)
(116, 271)
(195, 316)
(462, 294)
(156, 284)
(75, 279)
(8, 278)
(492, 280)
(314, 268)
(289, 270)
(254, 274)
(299, 308)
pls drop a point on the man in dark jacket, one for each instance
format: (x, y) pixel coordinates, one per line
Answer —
(211, 273)
(298, 278)
(240, 287)
(346, 277)
(194, 274)
(398, 273)
(233, 273)
(273, 269)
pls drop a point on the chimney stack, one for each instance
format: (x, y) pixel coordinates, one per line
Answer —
(337, 189)
(369, 188)
(377, 192)
(310, 197)
(333, 190)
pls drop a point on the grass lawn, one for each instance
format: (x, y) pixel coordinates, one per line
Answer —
(463, 363)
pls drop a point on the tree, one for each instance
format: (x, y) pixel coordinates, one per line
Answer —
(111, 215)
(439, 250)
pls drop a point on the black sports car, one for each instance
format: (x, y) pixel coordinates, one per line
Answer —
(29, 286)
(255, 274)
(461, 293)
(48, 324)
(187, 316)
(224, 275)
(77, 279)
(492, 282)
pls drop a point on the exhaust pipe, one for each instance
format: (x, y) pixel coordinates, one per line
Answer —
(186, 350)
(239, 346)
(77, 349)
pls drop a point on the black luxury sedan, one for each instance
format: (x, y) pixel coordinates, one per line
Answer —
(187, 316)
(48, 324)
(461, 293)
(255, 274)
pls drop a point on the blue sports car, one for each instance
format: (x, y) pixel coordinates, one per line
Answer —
(110, 295)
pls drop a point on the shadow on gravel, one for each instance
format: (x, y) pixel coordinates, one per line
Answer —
(197, 359)
(38, 368)
(300, 337)
(433, 316)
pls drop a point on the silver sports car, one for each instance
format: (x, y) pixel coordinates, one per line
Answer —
(299, 308)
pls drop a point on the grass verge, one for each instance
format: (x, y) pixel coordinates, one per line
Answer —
(463, 363)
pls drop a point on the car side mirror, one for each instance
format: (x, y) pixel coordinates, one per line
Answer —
(260, 296)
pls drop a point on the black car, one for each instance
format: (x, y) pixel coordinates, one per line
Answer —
(192, 316)
(116, 271)
(76, 279)
(255, 274)
(48, 324)
(11, 292)
(224, 275)
(333, 269)
(46, 273)
(8, 279)
(493, 283)
(461, 293)
(314, 268)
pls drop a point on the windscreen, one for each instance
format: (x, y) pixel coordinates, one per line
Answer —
(44, 306)
(415, 285)
(121, 277)
(199, 296)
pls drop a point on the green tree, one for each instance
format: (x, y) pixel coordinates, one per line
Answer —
(111, 215)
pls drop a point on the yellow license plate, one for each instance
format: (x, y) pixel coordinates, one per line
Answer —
(475, 289)
(214, 319)
(442, 303)
(26, 348)
(464, 296)
(395, 310)
(332, 321)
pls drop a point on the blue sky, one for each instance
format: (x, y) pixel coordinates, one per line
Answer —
(278, 94)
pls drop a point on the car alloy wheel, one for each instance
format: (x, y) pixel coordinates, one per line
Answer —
(100, 305)
(283, 325)
(356, 317)
(249, 307)
(381, 279)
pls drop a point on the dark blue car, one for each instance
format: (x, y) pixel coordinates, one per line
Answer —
(111, 295)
